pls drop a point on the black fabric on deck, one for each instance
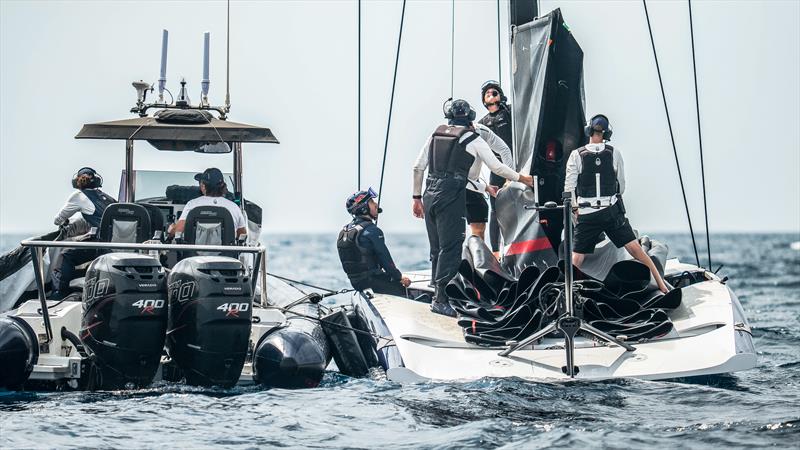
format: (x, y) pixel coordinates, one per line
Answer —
(494, 307)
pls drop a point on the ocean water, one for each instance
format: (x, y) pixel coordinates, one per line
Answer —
(752, 409)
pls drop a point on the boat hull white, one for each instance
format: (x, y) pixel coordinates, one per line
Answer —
(710, 336)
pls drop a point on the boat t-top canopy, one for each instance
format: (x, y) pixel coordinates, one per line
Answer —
(180, 129)
(151, 129)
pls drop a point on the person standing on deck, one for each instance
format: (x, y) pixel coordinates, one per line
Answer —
(596, 173)
(499, 121)
(477, 209)
(453, 155)
(362, 250)
(90, 202)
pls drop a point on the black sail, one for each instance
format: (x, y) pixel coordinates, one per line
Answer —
(548, 108)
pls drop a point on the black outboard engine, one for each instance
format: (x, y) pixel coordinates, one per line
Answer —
(210, 316)
(124, 319)
(19, 352)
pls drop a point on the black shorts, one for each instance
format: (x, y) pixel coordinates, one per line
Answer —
(611, 221)
(477, 208)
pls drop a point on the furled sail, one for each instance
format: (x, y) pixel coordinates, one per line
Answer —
(548, 111)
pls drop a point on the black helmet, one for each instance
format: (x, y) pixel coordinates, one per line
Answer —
(96, 179)
(358, 203)
(492, 84)
(598, 122)
(458, 110)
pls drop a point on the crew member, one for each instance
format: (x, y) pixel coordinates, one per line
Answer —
(599, 167)
(477, 209)
(362, 249)
(213, 187)
(499, 121)
(453, 155)
(90, 202)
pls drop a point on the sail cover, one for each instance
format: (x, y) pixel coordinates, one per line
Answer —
(548, 109)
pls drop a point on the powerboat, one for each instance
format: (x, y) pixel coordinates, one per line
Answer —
(199, 308)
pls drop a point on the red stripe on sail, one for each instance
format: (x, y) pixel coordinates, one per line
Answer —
(533, 245)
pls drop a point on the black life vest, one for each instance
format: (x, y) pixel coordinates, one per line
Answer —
(446, 155)
(100, 200)
(358, 263)
(500, 124)
(594, 163)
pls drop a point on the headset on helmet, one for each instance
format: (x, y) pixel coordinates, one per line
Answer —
(489, 85)
(458, 109)
(358, 203)
(96, 182)
(588, 130)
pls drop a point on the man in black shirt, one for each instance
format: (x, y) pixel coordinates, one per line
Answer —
(362, 251)
(499, 121)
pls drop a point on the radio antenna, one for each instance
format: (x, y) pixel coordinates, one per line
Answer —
(228, 63)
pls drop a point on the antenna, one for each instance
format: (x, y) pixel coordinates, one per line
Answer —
(204, 84)
(228, 63)
(162, 80)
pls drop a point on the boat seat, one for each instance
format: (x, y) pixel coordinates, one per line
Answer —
(125, 222)
(208, 225)
(157, 223)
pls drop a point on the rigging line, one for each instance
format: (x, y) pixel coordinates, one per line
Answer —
(227, 62)
(700, 136)
(391, 104)
(671, 135)
(499, 57)
(289, 280)
(359, 95)
(452, 45)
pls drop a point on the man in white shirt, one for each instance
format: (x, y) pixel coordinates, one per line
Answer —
(596, 172)
(453, 155)
(213, 187)
(477, 208)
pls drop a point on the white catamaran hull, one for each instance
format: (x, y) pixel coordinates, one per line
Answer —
(710, 336)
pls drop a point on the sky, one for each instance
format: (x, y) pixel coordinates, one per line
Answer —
(294, 69)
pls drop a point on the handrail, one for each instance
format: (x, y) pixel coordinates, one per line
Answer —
(134, 246)
(37, 255)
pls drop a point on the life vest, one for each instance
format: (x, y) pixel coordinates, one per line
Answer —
(358, 263)
(594, 163)
(100, 200)
(500, 124)
(448, 156)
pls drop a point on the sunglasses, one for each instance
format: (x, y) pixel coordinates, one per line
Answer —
(492, 93)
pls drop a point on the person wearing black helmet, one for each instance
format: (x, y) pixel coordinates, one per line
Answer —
(596, 173)
(499, 121)
(362, 250)
(90, 202)
(213, 188)
(453, 155)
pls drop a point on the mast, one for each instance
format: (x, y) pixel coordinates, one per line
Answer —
(522, 11)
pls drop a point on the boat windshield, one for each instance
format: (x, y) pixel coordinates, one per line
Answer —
(154, 183)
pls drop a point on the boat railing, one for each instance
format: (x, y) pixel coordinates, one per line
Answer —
(37, 248)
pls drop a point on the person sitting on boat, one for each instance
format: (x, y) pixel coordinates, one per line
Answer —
(453, 155)
(596, 172)
(90, 202)
(365, 258)
(213, 187)
(498, 120)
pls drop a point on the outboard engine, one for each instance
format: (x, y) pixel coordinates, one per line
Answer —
(19, 352)
(124, 319)
(210, 316)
